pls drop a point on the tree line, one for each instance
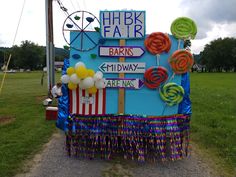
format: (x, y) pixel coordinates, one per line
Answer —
(28, 55)
(219, 55)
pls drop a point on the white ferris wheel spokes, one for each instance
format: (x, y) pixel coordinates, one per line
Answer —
(83, 23)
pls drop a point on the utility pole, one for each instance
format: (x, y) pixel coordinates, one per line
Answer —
(50, 53)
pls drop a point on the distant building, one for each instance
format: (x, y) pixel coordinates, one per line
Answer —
(58, 66)
(199, 68)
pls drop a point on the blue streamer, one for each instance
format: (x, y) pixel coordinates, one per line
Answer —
(185, 107)
(63, 102)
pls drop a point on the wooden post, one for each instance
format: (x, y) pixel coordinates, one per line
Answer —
(121, 99)
(50, 56)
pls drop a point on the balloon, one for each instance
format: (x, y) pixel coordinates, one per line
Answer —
(92, 90)
(158, 42)
(98, 76)
(79, 64)
(91, 72)
(100, 84)
(183, 28)
(81, 72)
(181, 61)
(155, 76)
(65, 79)
(88, 82)
(172, 93)
(74, 79)
(81, 85)
(70, 71)
(72, 86)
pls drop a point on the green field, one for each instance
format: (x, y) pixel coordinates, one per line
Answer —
(213, 124)
(21, 100)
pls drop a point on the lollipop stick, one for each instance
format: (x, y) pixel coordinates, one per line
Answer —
(163, 111)
(178, 43)
(158, 60)
(171, 78)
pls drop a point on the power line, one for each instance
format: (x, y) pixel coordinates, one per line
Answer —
(65, 10)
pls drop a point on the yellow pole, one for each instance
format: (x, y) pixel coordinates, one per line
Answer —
(5, 73)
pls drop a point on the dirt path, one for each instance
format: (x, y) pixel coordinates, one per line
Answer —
(53, 162)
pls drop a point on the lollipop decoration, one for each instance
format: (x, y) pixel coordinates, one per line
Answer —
(181, 61)
(155, 76)
(172, 93)
(184, 28)
(157, 43)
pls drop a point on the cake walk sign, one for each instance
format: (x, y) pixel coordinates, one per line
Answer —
(122, 25)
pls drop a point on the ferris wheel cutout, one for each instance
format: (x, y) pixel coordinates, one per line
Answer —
(83, 23)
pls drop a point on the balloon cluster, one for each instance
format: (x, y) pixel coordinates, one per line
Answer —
(80, 76)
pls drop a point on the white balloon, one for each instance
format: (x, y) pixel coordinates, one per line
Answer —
(74, 79)
(98, 75)
(100, 84)
(80, 63)
(88, 82)
(65, 79)
(81, 85)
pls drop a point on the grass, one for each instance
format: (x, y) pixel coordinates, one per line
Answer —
(213, 123)
(21, 99)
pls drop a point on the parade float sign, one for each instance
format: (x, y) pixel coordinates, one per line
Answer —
(140, 63)
(120, 79)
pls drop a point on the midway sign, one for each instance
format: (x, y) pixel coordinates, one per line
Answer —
(122, 67)
(121, 51)
(123, 83)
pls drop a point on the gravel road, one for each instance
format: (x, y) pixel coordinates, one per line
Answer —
(53, 162)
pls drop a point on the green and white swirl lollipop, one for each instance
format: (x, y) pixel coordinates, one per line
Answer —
(172, 93)
(183, 28)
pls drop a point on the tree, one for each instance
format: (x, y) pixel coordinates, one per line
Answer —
(219, 55)
(187, 44)
(28, 56)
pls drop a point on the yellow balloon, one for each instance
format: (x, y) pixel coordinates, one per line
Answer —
(92, 90)
(70, 71)
(72, 86)
(91, 72)
(81, 72)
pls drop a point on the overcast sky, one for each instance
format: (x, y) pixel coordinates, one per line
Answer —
(214, 18)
